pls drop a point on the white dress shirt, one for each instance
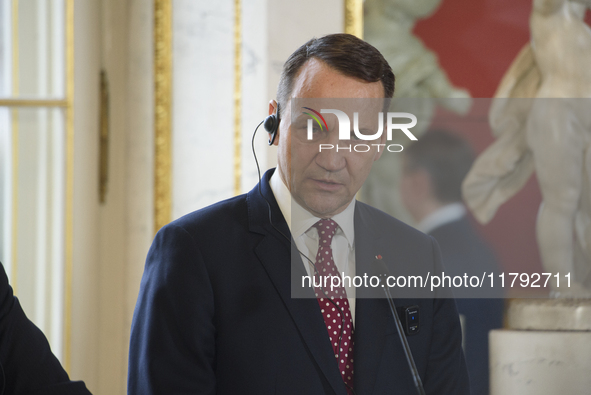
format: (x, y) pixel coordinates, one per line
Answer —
(446, 214)
(300, 223)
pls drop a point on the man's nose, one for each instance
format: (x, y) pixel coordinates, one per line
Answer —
(332, 155)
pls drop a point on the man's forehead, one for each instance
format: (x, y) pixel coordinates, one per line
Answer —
(359, 110)
(318, 79)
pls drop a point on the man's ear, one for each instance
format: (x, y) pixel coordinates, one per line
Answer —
(272, 107)
(273, 110)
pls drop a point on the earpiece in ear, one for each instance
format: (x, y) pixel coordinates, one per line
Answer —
(271, 125)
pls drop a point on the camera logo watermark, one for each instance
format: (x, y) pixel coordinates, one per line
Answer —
(344, 123)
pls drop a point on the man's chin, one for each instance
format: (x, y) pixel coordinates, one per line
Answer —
(323, 209)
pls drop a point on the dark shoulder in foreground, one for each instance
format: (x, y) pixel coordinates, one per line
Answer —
(27, 365)
(222, 214)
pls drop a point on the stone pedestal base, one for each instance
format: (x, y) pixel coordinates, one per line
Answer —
(546, 351)
(540, 362)
(550, 314)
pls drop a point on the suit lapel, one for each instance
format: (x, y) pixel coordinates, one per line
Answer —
(371, 315)
(274, 253)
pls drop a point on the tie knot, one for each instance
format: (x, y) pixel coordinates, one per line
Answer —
(326, 228)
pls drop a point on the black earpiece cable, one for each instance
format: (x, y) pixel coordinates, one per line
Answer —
(292, 242)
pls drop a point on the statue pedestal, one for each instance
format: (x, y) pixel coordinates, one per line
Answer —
(545, 351)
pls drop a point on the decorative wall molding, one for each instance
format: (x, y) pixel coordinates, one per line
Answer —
(354, 17)
(162, 112)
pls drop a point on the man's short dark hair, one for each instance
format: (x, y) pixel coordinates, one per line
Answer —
(346, 54)
(446, 157)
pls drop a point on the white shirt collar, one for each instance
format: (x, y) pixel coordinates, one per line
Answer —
(299, 220)
(446, 214)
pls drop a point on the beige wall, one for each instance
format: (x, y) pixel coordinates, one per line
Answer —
(110, 239)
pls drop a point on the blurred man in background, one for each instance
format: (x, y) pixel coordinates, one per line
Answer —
(433, 170)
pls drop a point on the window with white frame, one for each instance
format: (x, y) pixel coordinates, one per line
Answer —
(33, 159)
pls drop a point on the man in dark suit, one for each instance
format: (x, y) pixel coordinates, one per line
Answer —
(27, 365)
(433, 171)
(215, 314)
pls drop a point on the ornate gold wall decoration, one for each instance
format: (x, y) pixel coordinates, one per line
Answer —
(33, 103)
(162, 112)
(104, 137)
(354, 17)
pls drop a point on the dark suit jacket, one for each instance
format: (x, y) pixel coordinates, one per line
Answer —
(464, 251)
(27, 365)
(215, 313)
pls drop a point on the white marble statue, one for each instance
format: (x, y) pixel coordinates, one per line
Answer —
(550, 133)
(388, 26)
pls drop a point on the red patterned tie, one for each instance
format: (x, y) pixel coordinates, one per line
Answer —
(340, 329)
